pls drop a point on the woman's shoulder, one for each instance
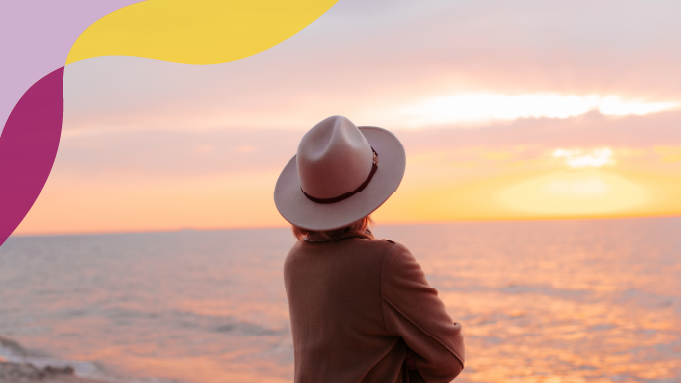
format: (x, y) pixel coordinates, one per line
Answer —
(383, 246)
(370, 253)
(364, 245)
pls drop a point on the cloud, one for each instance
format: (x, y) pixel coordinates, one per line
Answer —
(156, 153)
(590, 129)
(361, 63)
(164, 144)
(477, 109)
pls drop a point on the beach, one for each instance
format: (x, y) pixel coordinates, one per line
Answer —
(546, 301)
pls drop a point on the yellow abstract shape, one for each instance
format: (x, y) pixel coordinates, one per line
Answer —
(196, 31)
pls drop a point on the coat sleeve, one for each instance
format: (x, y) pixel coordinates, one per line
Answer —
(412, 310)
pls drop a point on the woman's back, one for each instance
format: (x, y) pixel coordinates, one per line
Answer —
(361, 310)
(356, 305)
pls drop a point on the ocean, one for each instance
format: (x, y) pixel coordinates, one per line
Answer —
(554, 301)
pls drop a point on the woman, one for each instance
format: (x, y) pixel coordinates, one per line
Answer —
(360, 308)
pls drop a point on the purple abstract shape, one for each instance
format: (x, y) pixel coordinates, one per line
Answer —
(36, 36)
(28, 147)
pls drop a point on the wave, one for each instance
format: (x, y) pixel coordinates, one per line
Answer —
(35, 367)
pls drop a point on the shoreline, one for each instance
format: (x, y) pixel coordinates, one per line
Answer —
(17, 366)
(27, 373)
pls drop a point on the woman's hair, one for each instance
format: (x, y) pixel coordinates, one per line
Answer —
(361, 226)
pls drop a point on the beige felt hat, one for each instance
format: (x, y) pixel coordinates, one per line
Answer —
(340, 173)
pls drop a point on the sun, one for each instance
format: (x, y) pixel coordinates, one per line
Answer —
(580, 192)
(583, 189)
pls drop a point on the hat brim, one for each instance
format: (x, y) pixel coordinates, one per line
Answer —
(302, 212)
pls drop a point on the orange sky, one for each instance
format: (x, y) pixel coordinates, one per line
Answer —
(467, 183)
(482, 95)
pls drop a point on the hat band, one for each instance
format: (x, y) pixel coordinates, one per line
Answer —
(343, 196)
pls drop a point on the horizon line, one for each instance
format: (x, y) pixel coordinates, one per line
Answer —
(443, 222)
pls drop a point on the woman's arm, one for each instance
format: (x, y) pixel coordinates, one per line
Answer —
(412, 310)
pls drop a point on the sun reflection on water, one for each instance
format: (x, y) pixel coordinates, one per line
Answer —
(544, 302)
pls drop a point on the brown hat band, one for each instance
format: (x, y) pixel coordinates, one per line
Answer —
(343, 196)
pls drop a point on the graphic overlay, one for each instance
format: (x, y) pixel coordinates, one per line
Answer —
(198, 32)
(28, 146)
(36, 38)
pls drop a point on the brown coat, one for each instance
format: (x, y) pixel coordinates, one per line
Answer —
(356, 305)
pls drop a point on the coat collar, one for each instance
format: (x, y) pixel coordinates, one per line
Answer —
(314, 237)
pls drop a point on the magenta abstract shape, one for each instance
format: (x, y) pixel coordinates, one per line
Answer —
(28, 147)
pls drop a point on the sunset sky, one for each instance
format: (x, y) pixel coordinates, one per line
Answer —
(507, 111)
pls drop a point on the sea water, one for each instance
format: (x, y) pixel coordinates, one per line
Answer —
(556, 301)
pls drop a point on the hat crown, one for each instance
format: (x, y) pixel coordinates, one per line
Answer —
(333, 158)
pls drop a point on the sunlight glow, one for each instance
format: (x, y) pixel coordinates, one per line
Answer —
(577, 192)
(581, 158)
(472, 108)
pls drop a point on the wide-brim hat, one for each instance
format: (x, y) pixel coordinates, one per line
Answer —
(340, 174)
